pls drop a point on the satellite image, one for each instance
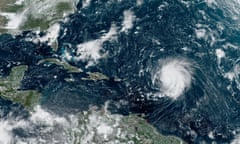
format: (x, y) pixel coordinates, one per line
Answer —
(119, 71)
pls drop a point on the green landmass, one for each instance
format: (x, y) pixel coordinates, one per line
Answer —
(5, 3)
(32, 23)
(38, 14)
(11, 8)
(3, 21)
(95, 76)
(101, 127)
(64, 64)
(146, 133)
(3, 6)
(63, 6)
(9, 88)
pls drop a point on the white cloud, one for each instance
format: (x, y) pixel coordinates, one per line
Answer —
(128, 20)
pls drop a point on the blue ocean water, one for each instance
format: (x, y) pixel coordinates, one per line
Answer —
(162, 29)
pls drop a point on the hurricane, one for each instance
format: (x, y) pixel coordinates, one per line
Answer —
(175, 76)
